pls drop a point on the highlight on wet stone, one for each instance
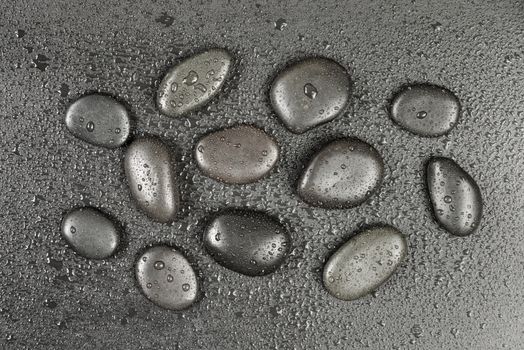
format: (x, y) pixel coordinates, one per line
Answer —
(343, 174)
(425, 110)
(99, 120)
(455, 196)
(90, 233)
(151, 176)
(309, 93)
(237, 155)
(364, 262)
(248, 242)
(166, 278)
(193, 82)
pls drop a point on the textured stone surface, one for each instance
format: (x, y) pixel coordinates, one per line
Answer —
(426, 110)
(343, 174)
(166, 278)
(459, 294)
(250, 243)
(309, 93)
(455, 196)
(151, 177)
(364, 262)
(99, 120)
(90, 233)
(237, 155)
(193, 82)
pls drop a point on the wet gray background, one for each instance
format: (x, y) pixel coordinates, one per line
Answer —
(450, 293)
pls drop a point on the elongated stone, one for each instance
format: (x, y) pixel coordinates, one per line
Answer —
(309, 93)
(99, 120)
(166, 278)
(364, 262)
(90, 233)
(237, 155)
(426, 110)
(193, 82)
(151, 176)
(455, 196)
(343, 174)
(250, 243)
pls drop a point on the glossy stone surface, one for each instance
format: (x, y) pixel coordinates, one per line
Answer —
(90, 233)
(364, 262)
(247, 242)
(342, 174)
(99, 120)
(309, 93)
(151, 177)
(237, 155)
(426, 110)
(455, 197)
(193, 82)
(166, 278)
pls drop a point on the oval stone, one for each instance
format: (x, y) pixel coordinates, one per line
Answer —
(193, 82)
(250, 243)
(99, 120)
(90, 233)
(426, 110)
(343, 174)
(237, 155)
(151, 176)
(309, 93)
(166, 278)
(455, 196)
(364, 262)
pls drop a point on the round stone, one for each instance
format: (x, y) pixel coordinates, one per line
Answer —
(309, 93)
(90, 233)
(364, 262)
(193, 82)
(343, 174)
(250, 243)
(166, 278)
(99, 120)
(151, 176)
(455, 196)
(426, 110)
(237, 155)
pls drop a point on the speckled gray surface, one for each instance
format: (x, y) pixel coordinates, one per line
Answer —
(449, 293)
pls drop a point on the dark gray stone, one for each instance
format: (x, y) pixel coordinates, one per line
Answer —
(90, 233)
(250, 243)
(342, 174)
(193, 82)
(455, 196)
(426, 110)
(237, 155)
(151, 176)
(166, 278)
(99, 120)
(364, 262)
(309, 93)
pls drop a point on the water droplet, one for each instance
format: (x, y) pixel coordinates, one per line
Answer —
(190, 79)
(280, 24)
(159, 265)
(90, 126)
(310, 91)
(421, 115)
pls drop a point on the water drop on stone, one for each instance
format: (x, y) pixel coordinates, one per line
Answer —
(310, 91)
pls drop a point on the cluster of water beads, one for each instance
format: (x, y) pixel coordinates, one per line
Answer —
(343, 174)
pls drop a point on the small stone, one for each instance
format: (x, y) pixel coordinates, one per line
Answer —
(166, 278)
(343, 174)
(193, 82)
(426, 110)
(455, 196)
(99, 120)
(90, 233)
(247, 242)
(309, 93)
(151, 176)
(237, 155)
(364, 262)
